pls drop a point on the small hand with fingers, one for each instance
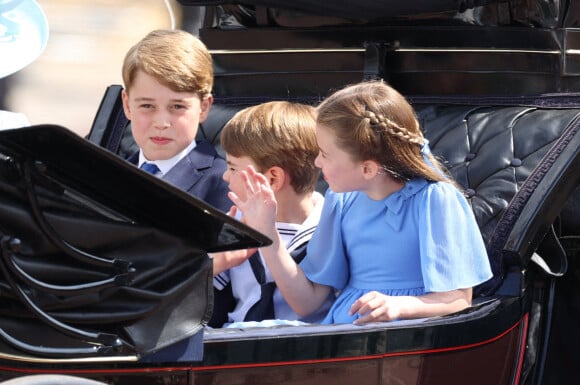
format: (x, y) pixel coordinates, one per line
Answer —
(377, 307)
(259, 208)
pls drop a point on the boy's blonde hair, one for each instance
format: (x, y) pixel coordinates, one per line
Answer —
(279, 134)
(176, 58)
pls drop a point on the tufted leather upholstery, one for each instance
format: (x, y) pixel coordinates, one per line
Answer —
(491, 150)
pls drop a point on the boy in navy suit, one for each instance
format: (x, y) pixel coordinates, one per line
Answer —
(168, 79)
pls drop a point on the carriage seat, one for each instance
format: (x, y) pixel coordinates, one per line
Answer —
(491, 149)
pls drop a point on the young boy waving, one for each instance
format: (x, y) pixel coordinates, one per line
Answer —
(278, 139)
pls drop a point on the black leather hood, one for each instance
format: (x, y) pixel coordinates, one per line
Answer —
(80, 167)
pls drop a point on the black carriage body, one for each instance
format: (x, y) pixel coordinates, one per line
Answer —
(496, 87)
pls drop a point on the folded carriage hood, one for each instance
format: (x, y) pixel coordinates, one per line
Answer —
(83, 234)
(115, 185)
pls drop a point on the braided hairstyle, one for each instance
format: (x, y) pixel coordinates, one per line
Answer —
(372, 121)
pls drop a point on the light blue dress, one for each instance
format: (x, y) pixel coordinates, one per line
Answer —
(420, 239)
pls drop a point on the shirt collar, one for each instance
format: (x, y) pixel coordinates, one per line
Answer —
(167, 164)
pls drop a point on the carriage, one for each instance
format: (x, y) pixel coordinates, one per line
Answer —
(94, 279)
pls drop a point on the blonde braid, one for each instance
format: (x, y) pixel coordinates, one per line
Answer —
(390, 127)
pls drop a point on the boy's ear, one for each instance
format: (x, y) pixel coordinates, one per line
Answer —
(276, 177)
(126, 106)
(206, 103)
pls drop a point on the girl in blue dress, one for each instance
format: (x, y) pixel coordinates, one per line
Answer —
(396, 239)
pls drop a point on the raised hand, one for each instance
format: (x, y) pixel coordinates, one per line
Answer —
(259, 207)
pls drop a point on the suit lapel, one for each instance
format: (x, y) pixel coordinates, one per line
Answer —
(189, 170)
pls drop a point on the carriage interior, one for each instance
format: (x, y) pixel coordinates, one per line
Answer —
(509, 138)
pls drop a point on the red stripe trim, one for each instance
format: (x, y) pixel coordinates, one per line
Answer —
(362, 358)
(523, 321)
(523, 344)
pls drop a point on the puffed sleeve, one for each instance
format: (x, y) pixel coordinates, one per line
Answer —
(326, 261)
(453, 254)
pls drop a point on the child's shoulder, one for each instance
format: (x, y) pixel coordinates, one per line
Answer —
(443, 195)
(442, 189)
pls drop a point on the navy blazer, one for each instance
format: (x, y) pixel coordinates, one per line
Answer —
(200, 174)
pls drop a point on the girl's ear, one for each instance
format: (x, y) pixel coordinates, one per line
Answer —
(276, 177)
(371, 169)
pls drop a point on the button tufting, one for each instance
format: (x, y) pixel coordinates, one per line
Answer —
(470, 156)
(470, 193)
(516, 162)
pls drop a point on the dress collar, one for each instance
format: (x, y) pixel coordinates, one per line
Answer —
(396, 200)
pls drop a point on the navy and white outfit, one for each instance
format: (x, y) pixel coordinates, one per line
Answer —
(245, 279)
